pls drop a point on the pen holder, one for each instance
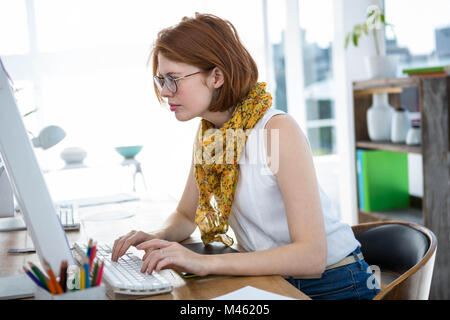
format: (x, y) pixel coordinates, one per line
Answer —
(93, 293)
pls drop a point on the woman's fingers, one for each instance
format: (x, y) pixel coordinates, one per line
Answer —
(153, 257)
(125, 246)
(116, 247)
(147, 252)
(154, 244)
(122, 244)
(165, 254)
(167, 262)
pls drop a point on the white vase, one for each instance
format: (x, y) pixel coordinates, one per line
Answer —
(414, 135)
(379, 118)
(381, 66)
(400, 126)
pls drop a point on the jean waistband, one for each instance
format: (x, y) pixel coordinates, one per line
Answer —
(354, 256)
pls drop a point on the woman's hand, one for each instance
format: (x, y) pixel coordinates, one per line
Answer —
(133, 238)
(162, 254)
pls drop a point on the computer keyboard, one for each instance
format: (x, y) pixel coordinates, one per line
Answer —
(68, 215)
(124, 276)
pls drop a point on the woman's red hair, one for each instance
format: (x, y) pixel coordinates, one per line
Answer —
(207, 41)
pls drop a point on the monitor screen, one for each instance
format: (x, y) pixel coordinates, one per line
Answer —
(28, 182)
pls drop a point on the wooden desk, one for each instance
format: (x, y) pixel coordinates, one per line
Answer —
(148, 215)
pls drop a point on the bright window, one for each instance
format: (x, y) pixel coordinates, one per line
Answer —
(87, 73)
(13, 27)
(421, 33)
(276, 26)
(317, 37)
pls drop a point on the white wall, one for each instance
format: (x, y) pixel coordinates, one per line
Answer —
(348, 66)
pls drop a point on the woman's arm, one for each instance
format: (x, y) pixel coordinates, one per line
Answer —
(306, 255)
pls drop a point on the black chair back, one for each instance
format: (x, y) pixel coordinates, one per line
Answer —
(393, 247)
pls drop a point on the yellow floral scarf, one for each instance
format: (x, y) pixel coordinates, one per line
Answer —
(216, 172)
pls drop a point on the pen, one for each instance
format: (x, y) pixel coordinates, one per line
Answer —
(43, 279)
(50, 273)
(30, 274)
(100, 274)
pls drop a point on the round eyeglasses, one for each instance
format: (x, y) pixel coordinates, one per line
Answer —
(170, 82)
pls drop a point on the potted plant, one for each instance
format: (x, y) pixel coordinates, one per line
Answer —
(379, 65)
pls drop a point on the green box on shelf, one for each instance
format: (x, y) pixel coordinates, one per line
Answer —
(382, 180)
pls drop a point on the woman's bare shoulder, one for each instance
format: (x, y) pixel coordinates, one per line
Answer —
(287, 125)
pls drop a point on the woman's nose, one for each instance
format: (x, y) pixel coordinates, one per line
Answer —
(166, 93)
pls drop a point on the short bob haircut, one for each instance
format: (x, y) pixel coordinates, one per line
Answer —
(207, 41)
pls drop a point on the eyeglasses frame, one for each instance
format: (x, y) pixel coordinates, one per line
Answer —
(156, 78)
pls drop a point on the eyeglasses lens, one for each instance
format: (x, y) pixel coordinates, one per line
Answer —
(169, 82)
(159, 82)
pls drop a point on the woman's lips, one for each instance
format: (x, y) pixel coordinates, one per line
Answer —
(174, 107)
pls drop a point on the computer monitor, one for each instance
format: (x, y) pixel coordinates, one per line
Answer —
(28, 182)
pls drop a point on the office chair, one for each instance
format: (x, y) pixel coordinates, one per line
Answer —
(404, 252)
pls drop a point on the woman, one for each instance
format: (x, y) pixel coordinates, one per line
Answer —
(278, 213)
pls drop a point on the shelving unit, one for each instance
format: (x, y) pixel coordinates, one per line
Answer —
(432, 211)
(397, 147)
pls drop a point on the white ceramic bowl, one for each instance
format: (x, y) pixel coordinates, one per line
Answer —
(73, 155)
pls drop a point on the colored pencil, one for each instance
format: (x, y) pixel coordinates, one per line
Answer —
(100, 274)
(92, 256)
(36, 280)
(51, 286)
(82, 279)
(42, 278)
(89, 248)
(75, 282)
(86, 272)
(63, 275)
(94, 274)
(50, 273)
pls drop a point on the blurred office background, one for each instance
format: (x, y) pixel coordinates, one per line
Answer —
(83, 65)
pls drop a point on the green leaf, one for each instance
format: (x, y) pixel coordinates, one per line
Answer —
(366, 29)
(355, 39)
(347, 40)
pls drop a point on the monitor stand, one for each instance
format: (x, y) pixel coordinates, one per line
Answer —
(16, 287)
(12, 224)
(9, 221)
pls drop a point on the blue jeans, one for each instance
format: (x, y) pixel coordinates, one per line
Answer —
(352, 281)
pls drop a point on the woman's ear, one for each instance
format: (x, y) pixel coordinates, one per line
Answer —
(217, 78)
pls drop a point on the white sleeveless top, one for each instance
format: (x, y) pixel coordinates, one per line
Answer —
(258, 216)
